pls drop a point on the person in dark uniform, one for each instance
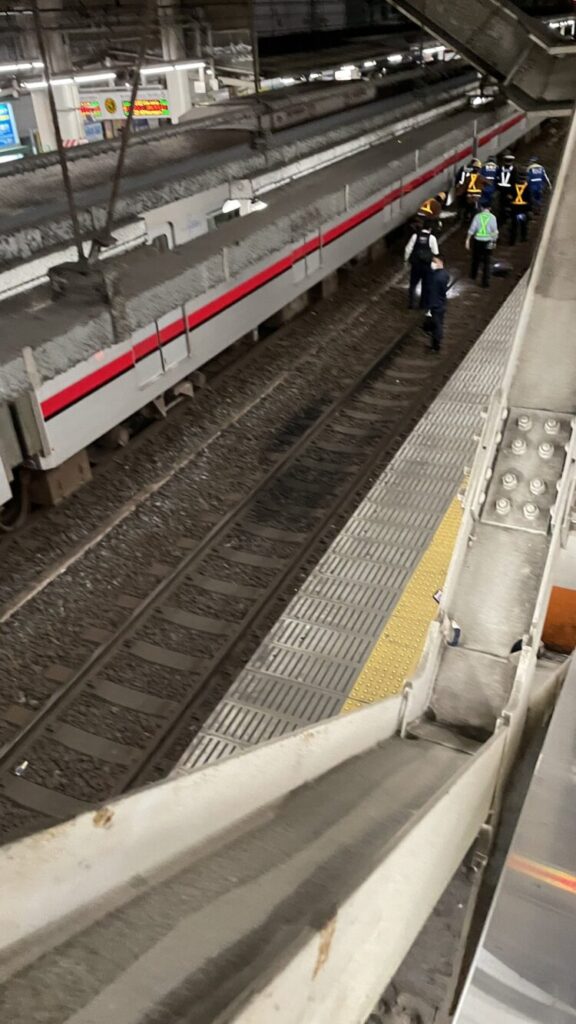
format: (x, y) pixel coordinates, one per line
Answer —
(538, 183)
(519, 211)
(469, 187)
(439, 284)
(421, 247)
(507, 178)
(490, 172)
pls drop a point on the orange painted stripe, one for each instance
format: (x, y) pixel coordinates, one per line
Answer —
(542, 873)
(560, 627)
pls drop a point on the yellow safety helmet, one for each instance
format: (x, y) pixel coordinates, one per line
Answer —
(475, 162)
(442, 197)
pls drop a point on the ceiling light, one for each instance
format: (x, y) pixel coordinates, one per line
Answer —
(190, 65)
(161, 69)
(21, 66)
(395, 58)
(98, 76)
(369, 64)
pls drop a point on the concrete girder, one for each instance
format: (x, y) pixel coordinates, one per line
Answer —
(526, 58)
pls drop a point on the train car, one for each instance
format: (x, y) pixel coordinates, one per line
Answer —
(74, 369)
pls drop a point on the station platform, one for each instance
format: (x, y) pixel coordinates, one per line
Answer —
(355, 631)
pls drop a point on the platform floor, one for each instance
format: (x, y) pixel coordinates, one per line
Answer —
(356, 628)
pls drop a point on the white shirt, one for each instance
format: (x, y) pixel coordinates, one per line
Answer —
(432, 242)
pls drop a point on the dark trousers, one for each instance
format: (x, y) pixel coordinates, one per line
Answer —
(518, 226)
(419, 275)
(481, 257)
(504, 196)
(437, 332)
(536, 197)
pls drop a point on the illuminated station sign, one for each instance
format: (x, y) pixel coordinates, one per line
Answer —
(115, 105)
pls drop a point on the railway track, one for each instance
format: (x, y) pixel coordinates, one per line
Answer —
(123, 716)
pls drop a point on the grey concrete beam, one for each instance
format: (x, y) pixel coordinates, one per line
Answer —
(499, 41)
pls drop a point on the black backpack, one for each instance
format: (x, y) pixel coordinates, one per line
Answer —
(422, 253)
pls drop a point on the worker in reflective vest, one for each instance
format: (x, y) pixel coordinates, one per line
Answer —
(469, 188)
(519, 211)
(507, 178)
(482, 237)
(538, 183)
(431, 209)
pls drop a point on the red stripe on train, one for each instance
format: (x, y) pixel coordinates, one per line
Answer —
(93, 381)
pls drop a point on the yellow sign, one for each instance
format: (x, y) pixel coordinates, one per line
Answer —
(115, 105)
(151, 107)
(90, 108)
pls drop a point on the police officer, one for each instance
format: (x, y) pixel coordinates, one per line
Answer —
(519, 210)
(439, 283)
(507, 178)
(469, 186)
(421, 247)
(482, 237)
(538, 182)
(490, 173)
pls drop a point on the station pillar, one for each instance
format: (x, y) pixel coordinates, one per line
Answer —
(66, 96)
(67, 100)
(174, 49)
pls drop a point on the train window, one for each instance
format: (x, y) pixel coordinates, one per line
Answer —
(216, 219)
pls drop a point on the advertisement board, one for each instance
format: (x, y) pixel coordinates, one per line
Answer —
(8, 130)
(114, 104)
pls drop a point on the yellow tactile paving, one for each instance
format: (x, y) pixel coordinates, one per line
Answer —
(399, 646)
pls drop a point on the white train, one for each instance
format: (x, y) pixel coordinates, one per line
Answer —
(56, 403)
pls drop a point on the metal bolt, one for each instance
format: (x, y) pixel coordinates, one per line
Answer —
(537, 486)
(509, 481)
(551, 426)
(524, 422)
(546, 450)
(503, 506)
(518, 446)
(530, 510)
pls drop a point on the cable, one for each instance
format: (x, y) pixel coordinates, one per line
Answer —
(58, 134)
(104, 238)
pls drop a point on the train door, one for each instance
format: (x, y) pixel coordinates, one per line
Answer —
(148, 363)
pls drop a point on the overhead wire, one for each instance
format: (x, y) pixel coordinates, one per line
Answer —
(104, 239)
(45, 56)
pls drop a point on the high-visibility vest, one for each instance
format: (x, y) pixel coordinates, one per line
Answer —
(474, 188)
(431, 208)
(483, 230)
(520, 190)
